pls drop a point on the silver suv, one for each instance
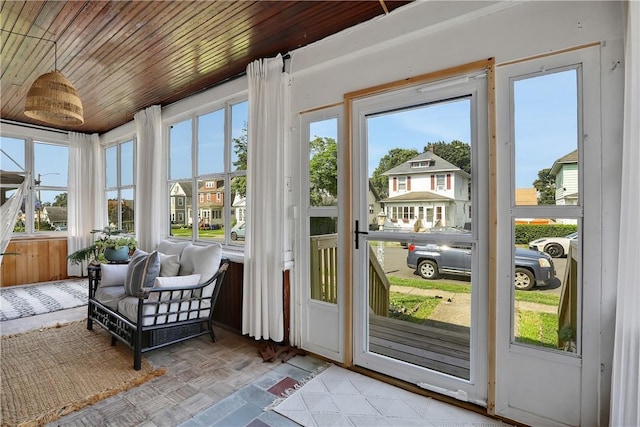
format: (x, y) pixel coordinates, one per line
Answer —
(533, 268)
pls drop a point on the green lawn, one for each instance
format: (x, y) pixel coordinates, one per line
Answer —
(202, 234)
(411, 308)
(537, 328)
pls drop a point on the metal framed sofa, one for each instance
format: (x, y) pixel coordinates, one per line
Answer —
(159, 298)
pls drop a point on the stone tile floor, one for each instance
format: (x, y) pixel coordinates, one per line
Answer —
(221, 384)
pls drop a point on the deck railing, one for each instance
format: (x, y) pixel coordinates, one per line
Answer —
(324, 274)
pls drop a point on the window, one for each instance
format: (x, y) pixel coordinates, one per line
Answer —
(44, 207)
(547, 162)
(119, 186)
(208, 157)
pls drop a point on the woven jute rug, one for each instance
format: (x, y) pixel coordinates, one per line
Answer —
(52, 372)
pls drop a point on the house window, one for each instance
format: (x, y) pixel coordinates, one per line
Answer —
(119, 185)
(440, 182)
(209, 151)
(402, 183)
(44, 207)
(438, 213)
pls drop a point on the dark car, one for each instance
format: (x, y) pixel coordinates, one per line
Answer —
(432, 260)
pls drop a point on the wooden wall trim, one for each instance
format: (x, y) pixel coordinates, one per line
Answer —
(41, 259)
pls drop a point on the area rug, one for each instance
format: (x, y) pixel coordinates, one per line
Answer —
(29, 300)
(339, 397)
(52, 372)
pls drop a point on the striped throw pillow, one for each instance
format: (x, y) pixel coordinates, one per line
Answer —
(141, 272)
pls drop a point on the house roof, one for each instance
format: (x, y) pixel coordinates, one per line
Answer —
(572, 157)
(417, 196)
(439, 165)
(56, 213)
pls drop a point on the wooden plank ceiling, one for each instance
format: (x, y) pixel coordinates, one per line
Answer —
(123, 56)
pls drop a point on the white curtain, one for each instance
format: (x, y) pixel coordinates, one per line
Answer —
(149, 184)
(9, 213)
(85, 187)
(262, 305)
(625, 406)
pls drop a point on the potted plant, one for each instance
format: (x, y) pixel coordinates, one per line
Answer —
(111, 245)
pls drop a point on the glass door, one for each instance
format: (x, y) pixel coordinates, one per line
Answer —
(420, 286)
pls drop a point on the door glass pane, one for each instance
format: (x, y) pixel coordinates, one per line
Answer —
(546, 139)
(547, 283)
(323, 269)
(417, 314)
(419, 286)
(323, 163)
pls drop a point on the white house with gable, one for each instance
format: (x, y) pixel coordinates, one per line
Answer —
(430, 189)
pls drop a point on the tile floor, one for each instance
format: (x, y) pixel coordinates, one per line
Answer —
(221, 384)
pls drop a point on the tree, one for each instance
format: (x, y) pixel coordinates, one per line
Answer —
(395, 157)
(60, 200)
(239, 184)
(546, 186)
(456, 152)
(323, 170)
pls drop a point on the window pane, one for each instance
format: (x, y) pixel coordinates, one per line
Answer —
(51, 211)
(546, 139)
(126, 163)
(211, 209)
(112, 208)
(180, 150)
(128, 211)
(51, 164)
(547, 286)
(180, 202)
(13, 153)
(419, 164)
(238, 210)
(211, 143)
(323, 163)
(111, 160)
(323, 280)
(239, 120)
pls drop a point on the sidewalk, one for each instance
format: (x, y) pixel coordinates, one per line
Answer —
(456, 307)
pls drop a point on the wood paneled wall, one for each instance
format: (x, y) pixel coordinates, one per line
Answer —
(37, 260)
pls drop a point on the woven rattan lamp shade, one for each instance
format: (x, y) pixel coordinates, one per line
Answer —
(53, 99)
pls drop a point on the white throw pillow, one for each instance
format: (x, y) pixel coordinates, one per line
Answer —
(203, 260)
(172, 248)
(175, 282)
(112, 274)
(169, 264)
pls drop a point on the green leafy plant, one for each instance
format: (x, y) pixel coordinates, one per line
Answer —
(107, 238)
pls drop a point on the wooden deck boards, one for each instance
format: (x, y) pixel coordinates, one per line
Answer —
(438, 346)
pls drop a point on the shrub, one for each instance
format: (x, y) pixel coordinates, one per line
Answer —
(524, 233)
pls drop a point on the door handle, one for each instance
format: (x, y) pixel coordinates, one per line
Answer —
(358, 232)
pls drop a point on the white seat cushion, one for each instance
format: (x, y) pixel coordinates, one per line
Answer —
(128, 307)
(110, 295)
(203, 260)
(169, 265)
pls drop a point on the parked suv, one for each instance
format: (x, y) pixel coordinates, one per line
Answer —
(533, 268)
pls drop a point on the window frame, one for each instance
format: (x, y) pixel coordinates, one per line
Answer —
(227, 175)
(30, 140)
(119, 188)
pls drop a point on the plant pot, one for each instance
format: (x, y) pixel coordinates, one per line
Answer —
(117, 255)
